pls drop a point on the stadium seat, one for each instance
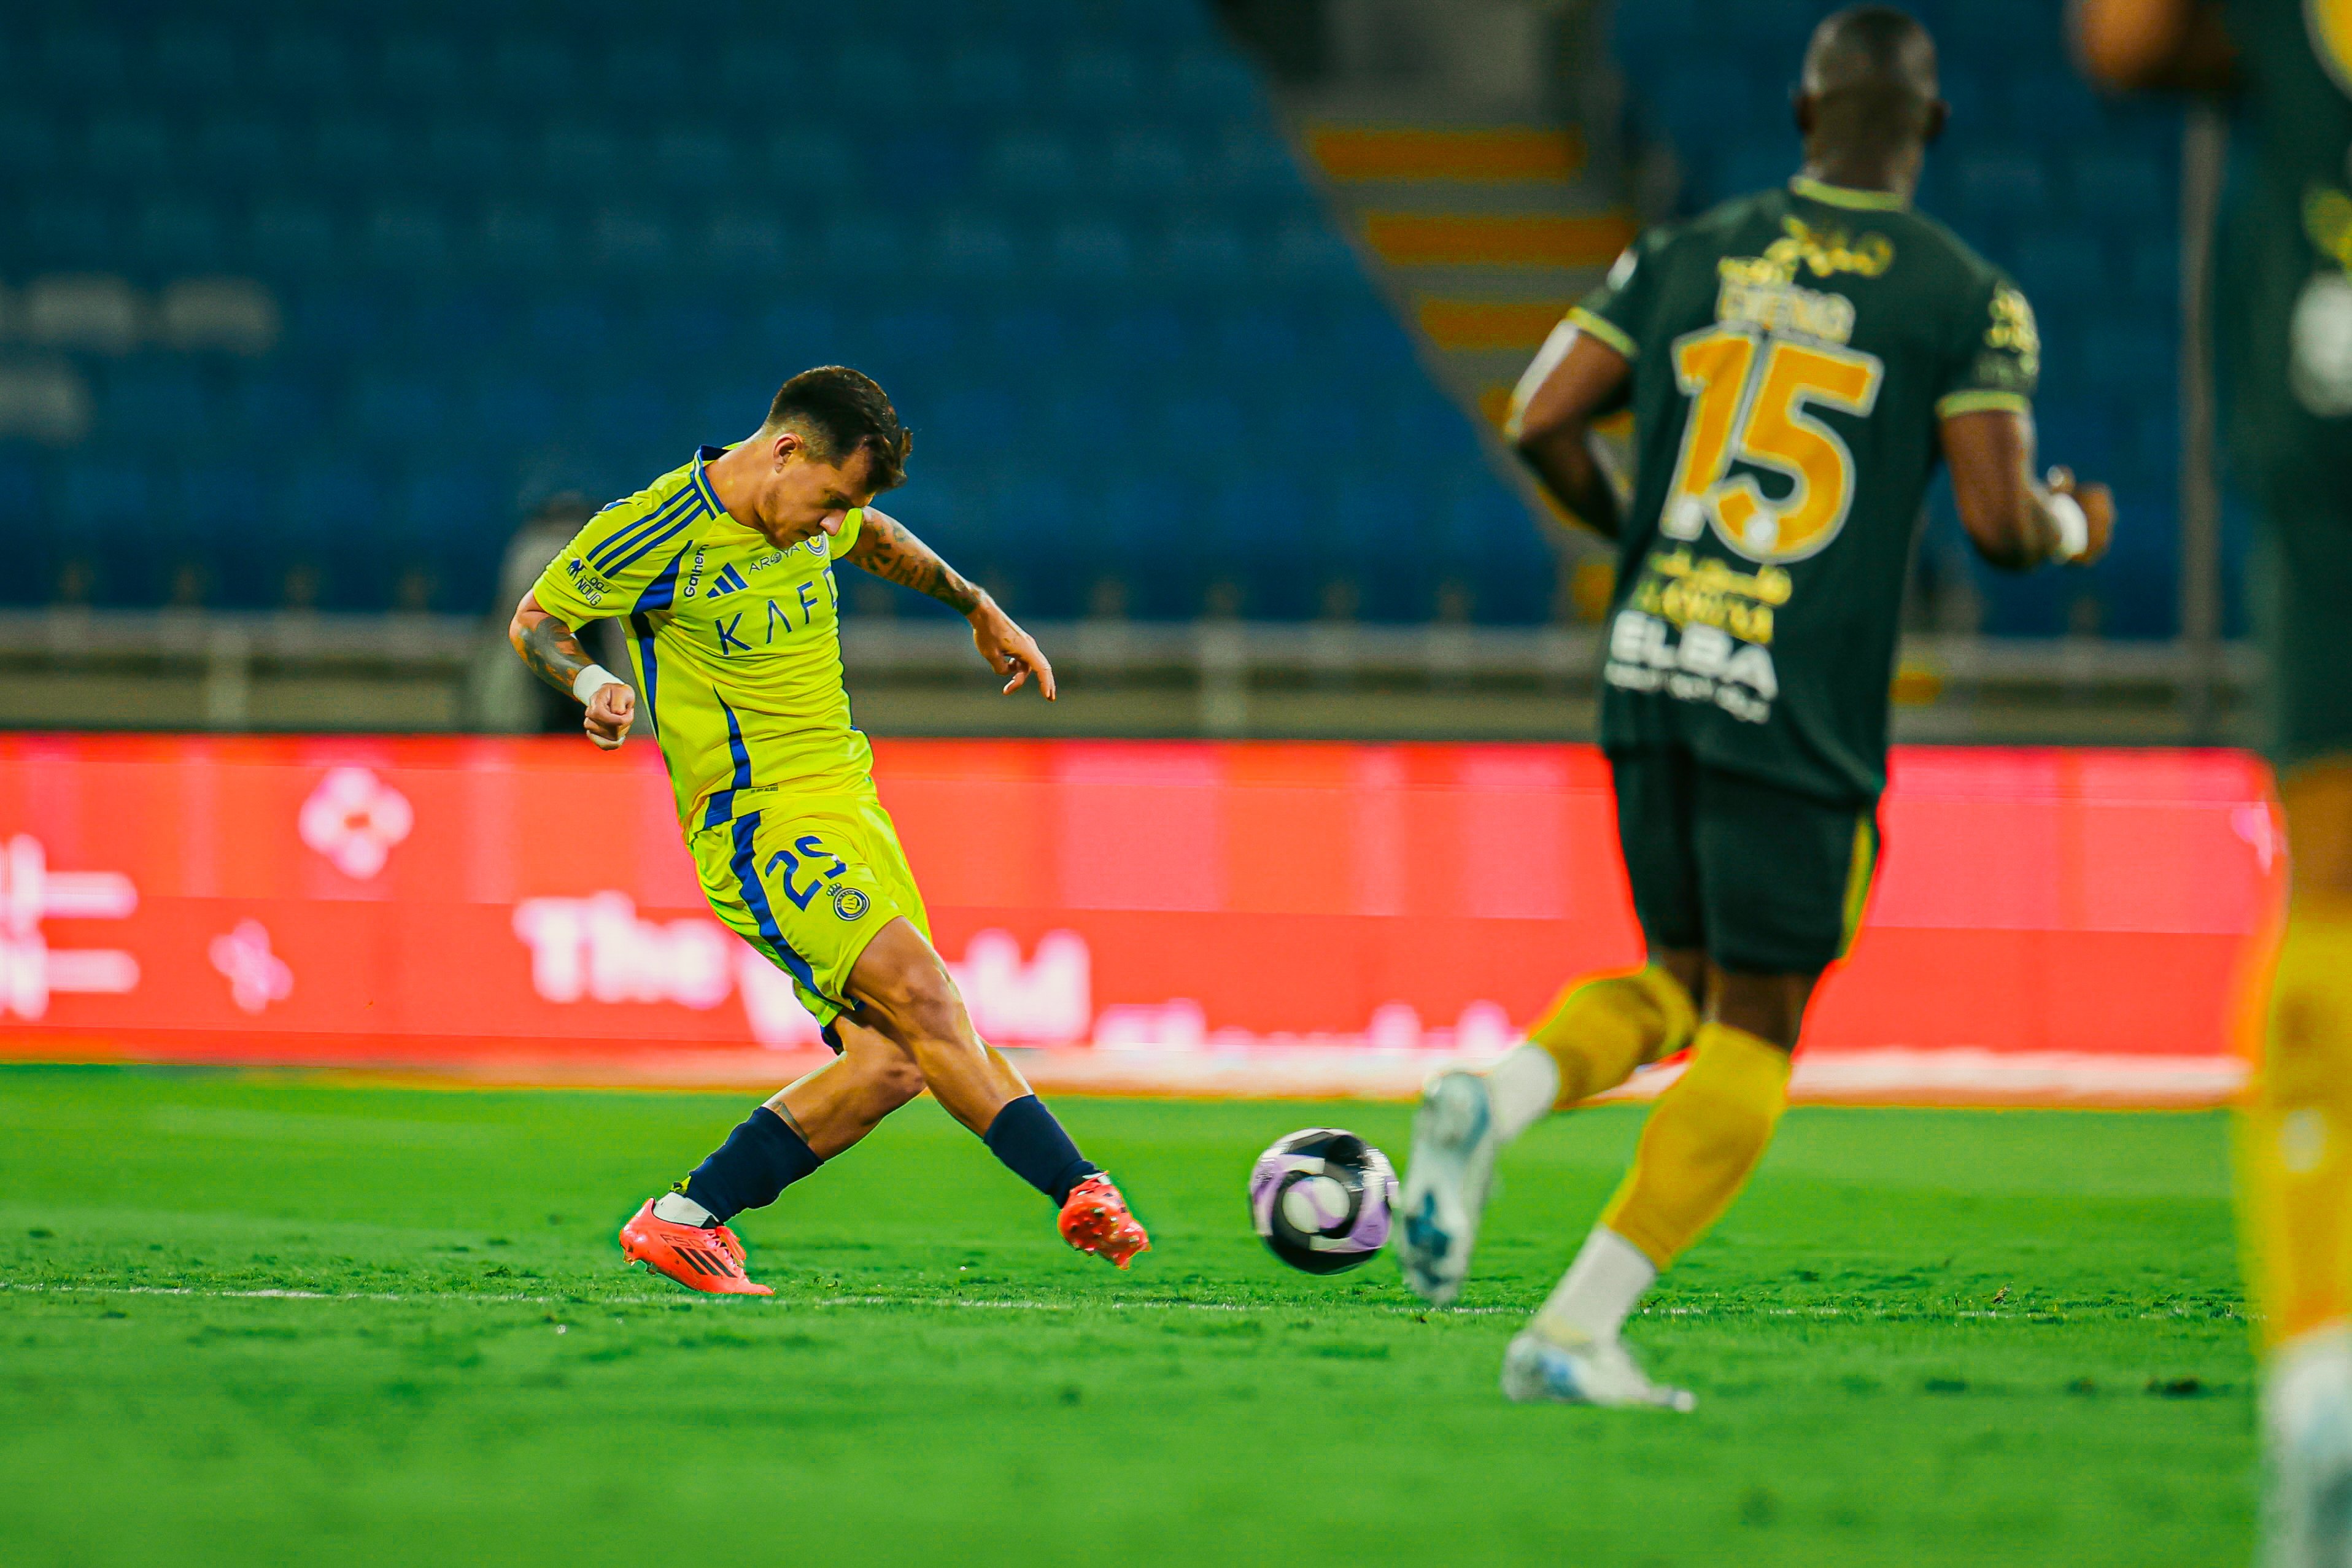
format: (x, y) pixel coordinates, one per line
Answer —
(29, 145)
(2004, 186)
(239, 149)
(129, 149)
(192, 60)
(428, 68)
(293, 236)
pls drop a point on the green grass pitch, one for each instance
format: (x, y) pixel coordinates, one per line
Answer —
(263, 1320)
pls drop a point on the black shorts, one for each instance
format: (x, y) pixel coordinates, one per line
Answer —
(1763, 880)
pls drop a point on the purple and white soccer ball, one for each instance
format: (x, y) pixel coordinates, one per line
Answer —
(1322, 1199)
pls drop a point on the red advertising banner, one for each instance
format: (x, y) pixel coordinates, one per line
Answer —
(1248, 918)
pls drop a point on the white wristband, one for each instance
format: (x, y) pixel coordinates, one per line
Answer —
(2074, 527)
(592, 680)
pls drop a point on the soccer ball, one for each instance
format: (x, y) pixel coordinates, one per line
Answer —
(1322, 1199)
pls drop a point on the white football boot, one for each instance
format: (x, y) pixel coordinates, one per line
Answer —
(2307, 1422)
(1537, 1370)
(1453, 1150)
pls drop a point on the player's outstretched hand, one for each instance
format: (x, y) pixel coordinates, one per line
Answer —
(610, 713)
(2098, 504)
(1009, 650)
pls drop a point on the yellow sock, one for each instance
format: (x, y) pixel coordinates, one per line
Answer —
(2295, 1138)
(1598, 1031)
(1705, 1136)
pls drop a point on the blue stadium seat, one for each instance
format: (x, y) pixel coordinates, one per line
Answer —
(536, 67)
(103, 501)
(66, 227)
(430, 69)
(406, 238)
(239, 148)
(84, 59)
(973, 249)
(1213, 85)
(293, 236)
(814, 159)
(523, 237)
(197, 59)
(29, 145)
(399, 412)
(2057, 270)
(308, 67)
(180, 235)
(630, 238)
(746, 242)
(465, 152)
(509, 410)
(2003, 187)
(157, 403)
(2117, 187)
(577, 154)
(1695, 101)
(1099, 80)
(987, 78)
(2129, 357)
(211, 503)
(689, 157)
(356, 150)
(130, 148)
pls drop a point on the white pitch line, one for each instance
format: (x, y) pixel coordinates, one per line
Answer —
(1001, 1304)
(1015, 1305)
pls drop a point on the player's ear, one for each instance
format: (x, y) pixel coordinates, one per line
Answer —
(1939, 114)
(1800, 104)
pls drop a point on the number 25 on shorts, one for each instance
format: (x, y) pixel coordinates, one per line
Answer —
(1750, 401)
(823, 866)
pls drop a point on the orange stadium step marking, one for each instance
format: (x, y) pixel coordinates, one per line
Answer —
(1509, 152)
(1538, 239)
(1489, 323)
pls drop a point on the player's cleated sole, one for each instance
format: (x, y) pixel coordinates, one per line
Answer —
(1445, 1186)
(710, 1260)
(1095, 1219)
(1600, 1373)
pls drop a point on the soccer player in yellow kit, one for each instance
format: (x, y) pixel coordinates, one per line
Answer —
(722, 572)
(2282, 309)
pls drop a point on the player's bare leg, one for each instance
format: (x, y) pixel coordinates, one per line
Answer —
(2295, 1174)
(1702, 1140)
(905, 992)
(684, 1233)
(1594, 1037)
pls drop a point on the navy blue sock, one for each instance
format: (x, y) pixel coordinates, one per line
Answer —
(759, 1160)
(1033, 1145)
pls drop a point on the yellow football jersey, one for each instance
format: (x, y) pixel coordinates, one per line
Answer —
(737, 644)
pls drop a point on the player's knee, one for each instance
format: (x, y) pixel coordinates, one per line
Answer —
(920, 998)
(1769, 1006)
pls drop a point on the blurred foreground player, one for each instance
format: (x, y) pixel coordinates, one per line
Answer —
(2283, 312)
(722, 570)
(1797, 361)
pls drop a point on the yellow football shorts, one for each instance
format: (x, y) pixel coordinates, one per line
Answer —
(808, 881)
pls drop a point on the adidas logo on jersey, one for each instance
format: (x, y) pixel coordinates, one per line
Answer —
(728, 580)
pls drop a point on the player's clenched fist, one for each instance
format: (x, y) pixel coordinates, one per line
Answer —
(2098, 504)
(611, 708)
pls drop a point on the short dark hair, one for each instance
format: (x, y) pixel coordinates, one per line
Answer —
(1872, 71)
(844, 412)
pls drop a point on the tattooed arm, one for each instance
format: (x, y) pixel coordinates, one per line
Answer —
(553, 653)
(885, 548)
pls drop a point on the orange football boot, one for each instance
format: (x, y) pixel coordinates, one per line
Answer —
(700, 1258)
(1095, 1220)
